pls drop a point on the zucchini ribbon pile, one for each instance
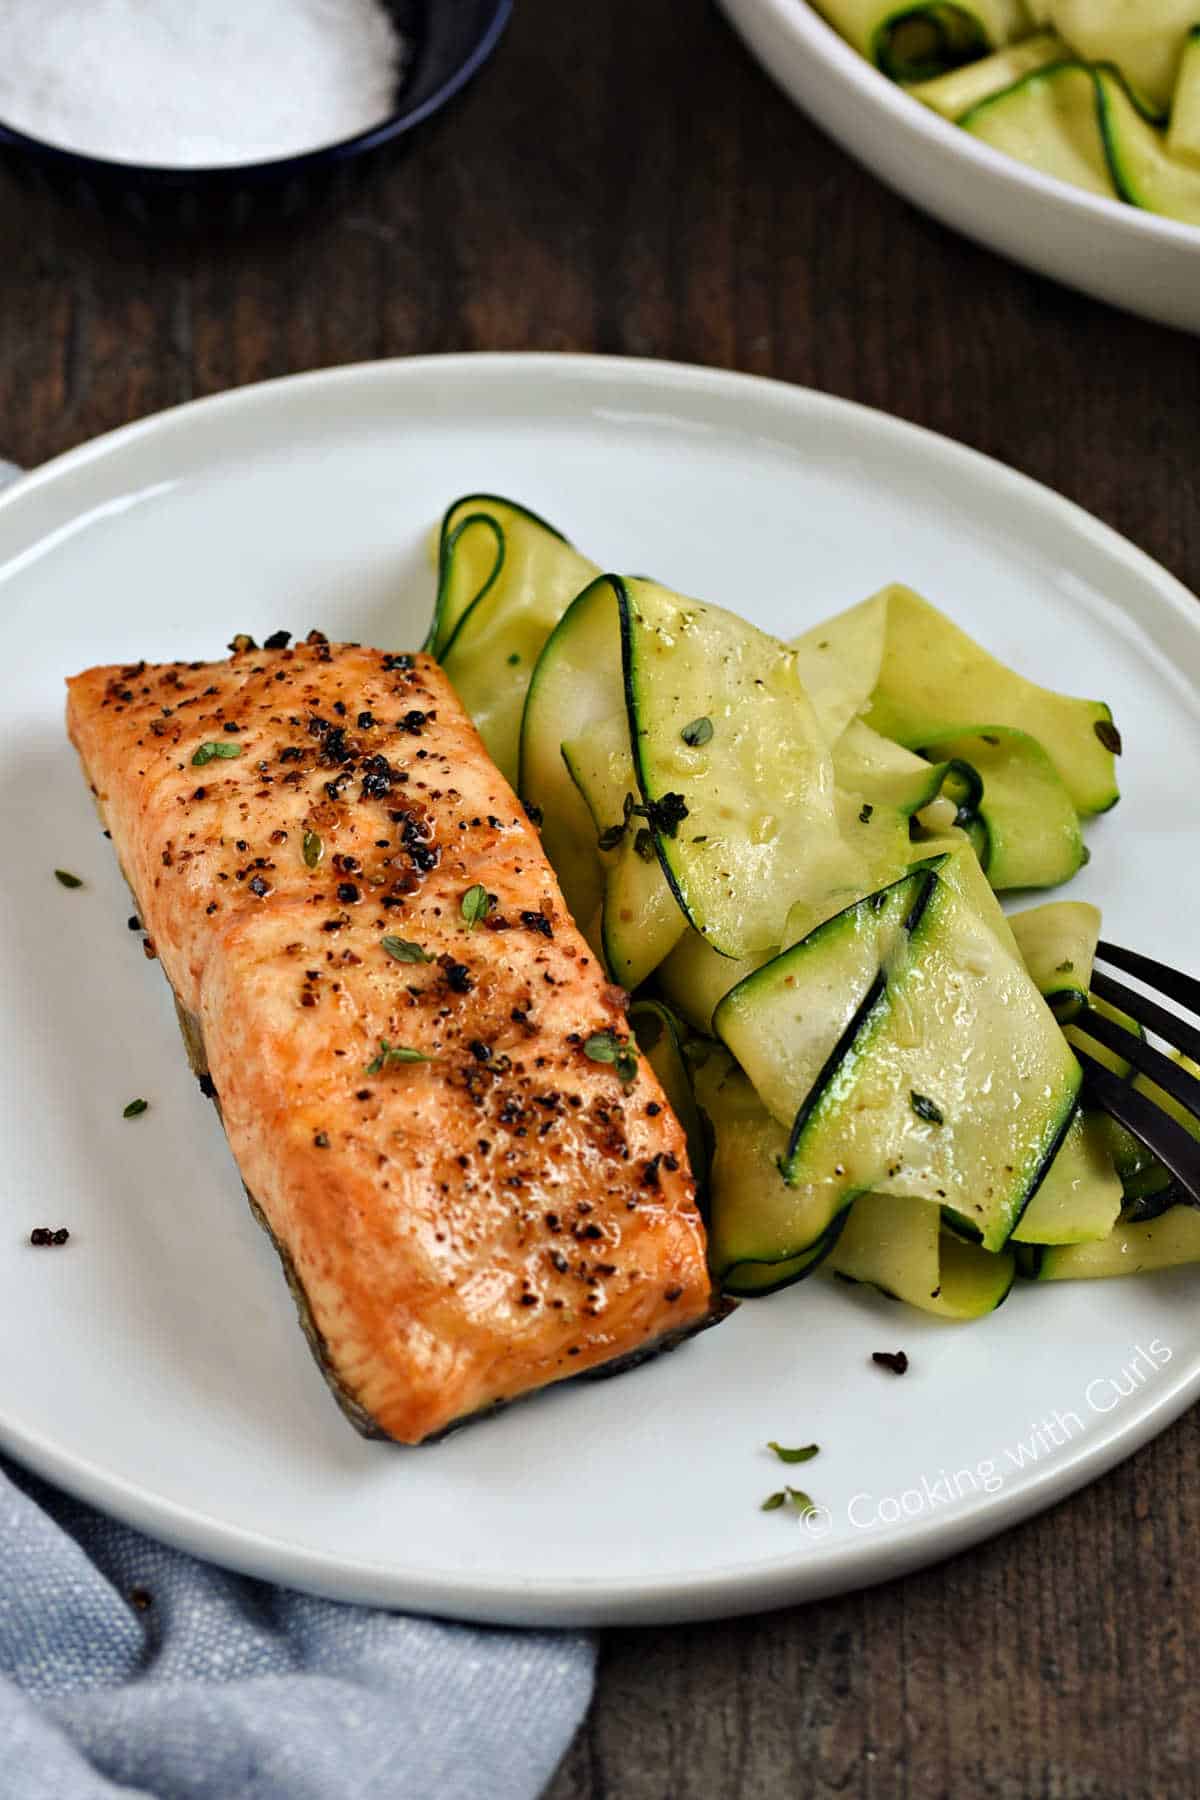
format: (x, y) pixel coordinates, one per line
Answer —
(789, 854)
(1104, 94)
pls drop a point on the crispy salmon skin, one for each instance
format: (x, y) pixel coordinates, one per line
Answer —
(338, 882)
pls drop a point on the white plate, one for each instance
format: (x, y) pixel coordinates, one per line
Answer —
(154, 1365)
(1135, 259)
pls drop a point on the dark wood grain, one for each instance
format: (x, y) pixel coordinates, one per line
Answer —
(624, 179)
(1055, 1662)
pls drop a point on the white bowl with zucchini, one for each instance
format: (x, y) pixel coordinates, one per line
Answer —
(1063, 133)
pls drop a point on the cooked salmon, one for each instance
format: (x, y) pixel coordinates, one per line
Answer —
(376, 973)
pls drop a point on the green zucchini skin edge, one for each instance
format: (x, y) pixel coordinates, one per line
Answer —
(940, 19)
(1140, 1209)
(1151, 114)
(1108, 806)
(814, 1256)
(972, 799)
(624, 619)
(1051, 1153)
(1108, 130)
(434, 644)
(866, 1007)
(901, 1301)
(961, 1226)
(1065, 1003)
(975, 808)
(1044, 73)
(624, 604)
(1029, 1258)
(1107, 136)
(969, 816)
(537, 670)
(649, 1006)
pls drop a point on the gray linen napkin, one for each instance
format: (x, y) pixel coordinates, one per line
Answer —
(130, 1669)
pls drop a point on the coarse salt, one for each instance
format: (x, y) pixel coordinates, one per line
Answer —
(196, 83)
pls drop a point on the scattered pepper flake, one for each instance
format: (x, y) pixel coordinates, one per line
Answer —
(925, 1108)
(135, 1109)
(895, 1360)
(458, 977)
(65, 879)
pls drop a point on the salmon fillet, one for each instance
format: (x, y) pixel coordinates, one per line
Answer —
(458, 1231)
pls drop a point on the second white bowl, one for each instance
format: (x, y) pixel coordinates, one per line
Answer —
(1147, 264)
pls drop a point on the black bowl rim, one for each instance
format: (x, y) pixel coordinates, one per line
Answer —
(279, 168)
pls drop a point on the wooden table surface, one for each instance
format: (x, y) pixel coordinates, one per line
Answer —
(623, 178)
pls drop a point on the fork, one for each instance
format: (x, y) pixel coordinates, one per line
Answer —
(1174, 1146)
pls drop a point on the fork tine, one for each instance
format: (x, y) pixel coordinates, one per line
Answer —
(1184, 989)
(1176, 1148)
(1168, 1025)
(1167, 1074)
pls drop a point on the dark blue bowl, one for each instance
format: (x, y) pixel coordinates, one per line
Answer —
(449, 41)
